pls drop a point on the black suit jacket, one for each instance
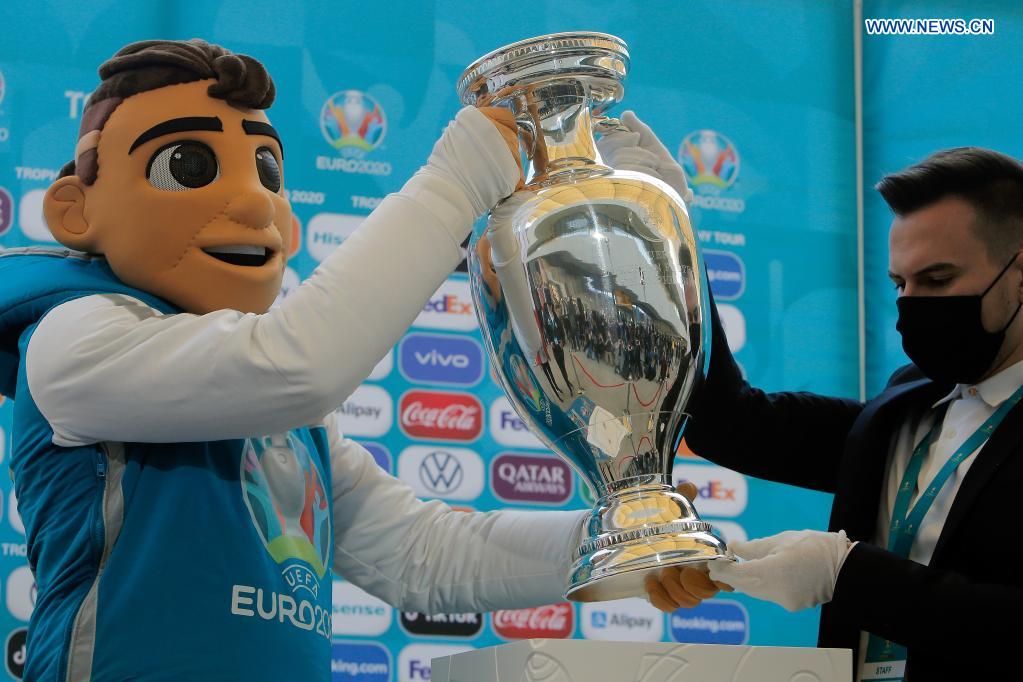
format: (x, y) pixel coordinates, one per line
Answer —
(960, 615)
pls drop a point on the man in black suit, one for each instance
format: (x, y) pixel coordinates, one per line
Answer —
(919, 574)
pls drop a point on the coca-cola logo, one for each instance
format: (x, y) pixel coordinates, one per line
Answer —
(531, 478)
(554, 620)
(441, 415)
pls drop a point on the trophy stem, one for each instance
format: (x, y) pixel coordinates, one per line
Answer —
(556, 124)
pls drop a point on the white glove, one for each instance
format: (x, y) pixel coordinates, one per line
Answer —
(640, 150)
(797, 569)
(470, 168)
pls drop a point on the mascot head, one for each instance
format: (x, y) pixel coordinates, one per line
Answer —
(177, 178)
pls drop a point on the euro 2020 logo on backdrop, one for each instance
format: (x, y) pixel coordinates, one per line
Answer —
(283, 489)
(353, 122)
(709, 158)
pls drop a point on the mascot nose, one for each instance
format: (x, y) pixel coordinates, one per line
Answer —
(251, 209)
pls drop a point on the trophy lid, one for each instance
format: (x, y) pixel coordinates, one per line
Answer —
(600, 58)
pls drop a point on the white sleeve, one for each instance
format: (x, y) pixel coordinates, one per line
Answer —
(111, 368)
(426, 557)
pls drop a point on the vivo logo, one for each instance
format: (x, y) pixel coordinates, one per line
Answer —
(441, 359)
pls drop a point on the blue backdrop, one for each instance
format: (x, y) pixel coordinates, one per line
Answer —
(922, 94)
(757, 99)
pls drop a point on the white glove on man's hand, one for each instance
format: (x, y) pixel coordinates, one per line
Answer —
(640, 150)
(797, 569)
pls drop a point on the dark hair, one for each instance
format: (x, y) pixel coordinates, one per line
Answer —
(152, 64)
(991, 182)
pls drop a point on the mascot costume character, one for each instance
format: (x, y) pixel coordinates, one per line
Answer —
(184, 497)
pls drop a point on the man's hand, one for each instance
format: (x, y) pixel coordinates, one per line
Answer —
(638, 149)
(682, 587)
(797, 569)
(504, 120)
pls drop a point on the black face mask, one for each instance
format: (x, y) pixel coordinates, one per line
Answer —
(944, 335)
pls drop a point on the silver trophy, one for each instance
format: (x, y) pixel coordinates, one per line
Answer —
(588, 287)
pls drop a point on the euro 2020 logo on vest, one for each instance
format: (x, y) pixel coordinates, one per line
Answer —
(284, 491)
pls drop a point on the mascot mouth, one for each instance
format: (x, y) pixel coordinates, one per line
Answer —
(245, 256)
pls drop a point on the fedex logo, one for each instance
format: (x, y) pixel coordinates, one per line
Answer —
(721, 492)
(450, 307)
(441, 359)
(508, 429)
(414, 660)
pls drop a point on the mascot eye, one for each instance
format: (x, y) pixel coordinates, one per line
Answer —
(182, 166)
(269, 171)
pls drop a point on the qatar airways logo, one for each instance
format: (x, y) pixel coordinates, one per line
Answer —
(450, 307)
(441, 415)
(555, 621)
(531, 478)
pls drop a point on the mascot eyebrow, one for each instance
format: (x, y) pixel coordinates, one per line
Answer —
(209, 123)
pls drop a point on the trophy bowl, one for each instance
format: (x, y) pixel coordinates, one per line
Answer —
(589, 289)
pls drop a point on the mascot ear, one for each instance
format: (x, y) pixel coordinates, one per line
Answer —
(64, 209)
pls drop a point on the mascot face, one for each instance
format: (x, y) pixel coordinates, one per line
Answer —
(188, 204)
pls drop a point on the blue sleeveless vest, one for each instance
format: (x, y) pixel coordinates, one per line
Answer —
(162, 561)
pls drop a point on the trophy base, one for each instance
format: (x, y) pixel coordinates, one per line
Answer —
(627, 579)
(615, 563)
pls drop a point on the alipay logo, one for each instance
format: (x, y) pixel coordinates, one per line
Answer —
(368, 412)
(630, 620)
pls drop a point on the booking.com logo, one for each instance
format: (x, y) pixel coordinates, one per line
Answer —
(363, 662)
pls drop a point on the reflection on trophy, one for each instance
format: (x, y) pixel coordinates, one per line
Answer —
(588, 288)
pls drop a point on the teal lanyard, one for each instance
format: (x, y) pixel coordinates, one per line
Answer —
(904, 526)
(885, 660)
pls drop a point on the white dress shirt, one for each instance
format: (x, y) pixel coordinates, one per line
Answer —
(968, 408)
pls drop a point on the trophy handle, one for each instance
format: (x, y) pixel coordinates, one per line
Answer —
(606, 124)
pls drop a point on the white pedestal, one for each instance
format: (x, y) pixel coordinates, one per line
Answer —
(570, 660)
